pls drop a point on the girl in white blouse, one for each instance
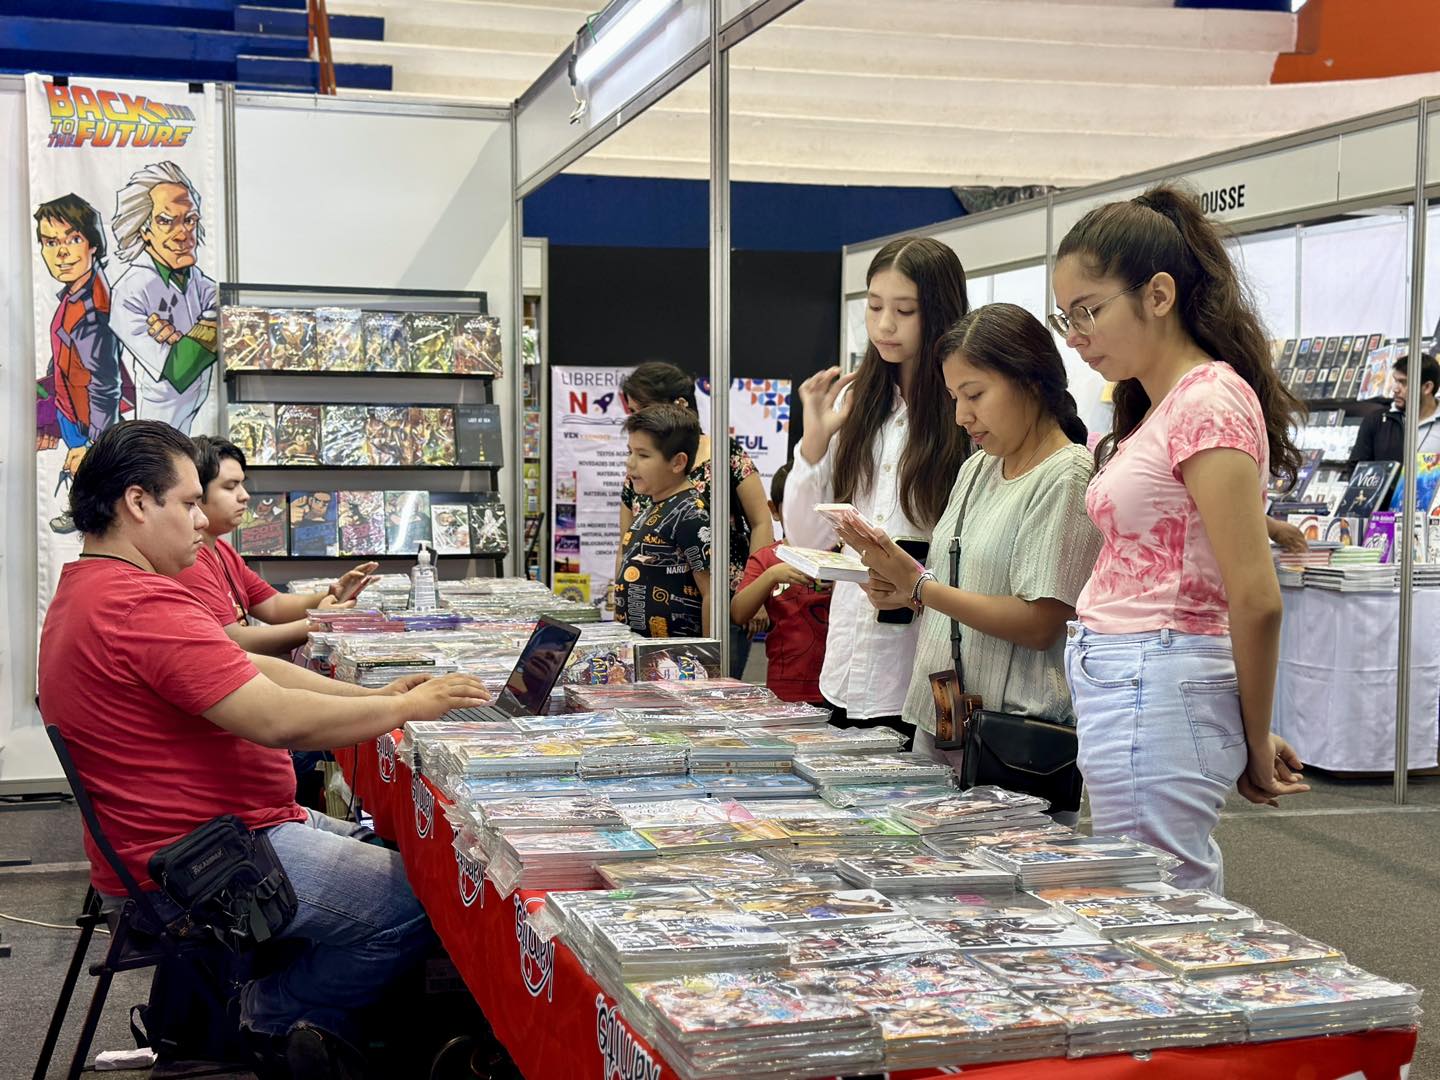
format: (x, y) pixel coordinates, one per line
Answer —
(881, 438)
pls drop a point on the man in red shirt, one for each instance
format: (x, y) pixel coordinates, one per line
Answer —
(171, 724)
(799, 611)
(237, 596)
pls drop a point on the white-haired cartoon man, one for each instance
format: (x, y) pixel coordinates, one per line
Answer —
(164, 306)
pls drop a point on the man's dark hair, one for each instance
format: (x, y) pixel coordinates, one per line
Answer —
(78, 214)
(128, 454)
(658, 383)
(777, 485)
(210, 450)
(1429, 369)
(675, 429)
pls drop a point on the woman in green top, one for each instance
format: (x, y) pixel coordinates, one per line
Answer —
(1027, 546)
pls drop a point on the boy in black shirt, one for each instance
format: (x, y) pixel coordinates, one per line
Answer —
(664, 585)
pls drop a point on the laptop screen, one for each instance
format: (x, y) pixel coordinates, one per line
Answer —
(537, 671)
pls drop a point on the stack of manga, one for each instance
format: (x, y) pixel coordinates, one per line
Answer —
(729, 751)
(1226, 949)
(772, 712)
(751, 786)
(857, 833)
(1068, 860)
(730, 866)
(561, 859)
(921, 870)
(829, 769)
(799, 808)
(251, 427)
(682, 944)
(511, 754)
(634, 755)
(631, 789)
(1027, 969)
(985, 1026)
(979, 810)
(535, 812)
(671, 719)
(820, 857)
(905, 978)
(245, 338)
(636, 696)
(639, 815)
(712, 836)
(1124, 916)
(882, 795)
(339, 339)
(874, 941)
(1127, 1017)
(801, 900)
(562, 912)
(751, 1026)
(953, 843)
(1292, 1003)
(828, 739)
(1037, 931)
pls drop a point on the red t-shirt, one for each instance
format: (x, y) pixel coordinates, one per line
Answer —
(224, 584)
(128, 662)
(799, 624)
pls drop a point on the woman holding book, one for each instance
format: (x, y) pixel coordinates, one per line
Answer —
(1018, 510)
(880, 439)
(1172, 660)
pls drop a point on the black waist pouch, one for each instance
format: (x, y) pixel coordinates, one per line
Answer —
(1025, 754)
(229, 882)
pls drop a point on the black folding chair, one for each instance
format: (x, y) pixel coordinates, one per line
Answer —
(139, 939)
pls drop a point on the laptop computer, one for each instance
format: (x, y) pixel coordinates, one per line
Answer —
(527, 691)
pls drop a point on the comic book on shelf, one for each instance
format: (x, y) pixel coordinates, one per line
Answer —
(263, 530)
(407, 521)
(252, 429)
(1370, 485)
(342, 438)
(387, 435)
(339, 339)
(314, 528)
(297, 434)
(387, 341)
(362, 522)
(292, 339)
(477, 345)
(432, 342)
(478, 436)
(449, 526)
(431, 432)
(245, 338)
(489, 529)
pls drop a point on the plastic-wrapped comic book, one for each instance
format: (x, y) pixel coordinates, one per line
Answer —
(870, 768)
(868, 942)
(245, 338)
(407, 521)
(755, 786)
(1225, 949)
(431, 434)
(715, 835)
(339, 339)
(966, 1029)
(694, 943)
(252, 428)
(1123, 917)
(1017, 932)
(803, 808)
(729, 866)
(342, 440)
(1290, 1003)
(387, 435)
(821, 857)
(489, 529)
(1075, 859)
(297, 434)
(880, 794)
(921, 870)
(450, 526)
(1065, 967)
(938, 974)
(803, 830)
(632, 789)
(387, 341)
(789, 903)
(432, 341)
(362, 522)
(314, 528)
(966, 812)
(292, 339)
(1126, 1017)
(653, 812)
(969, 904)
(264, 528)
(477, 345)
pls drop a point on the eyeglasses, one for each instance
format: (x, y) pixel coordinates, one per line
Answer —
(1081, 318)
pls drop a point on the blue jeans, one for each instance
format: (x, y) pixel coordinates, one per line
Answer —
(358, 916)
(1161, 739)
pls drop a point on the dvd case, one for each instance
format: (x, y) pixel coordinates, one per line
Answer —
(314, 529)
(297, 434)
(362, 522)
(252, 429)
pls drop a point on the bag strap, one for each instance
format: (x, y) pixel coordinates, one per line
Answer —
(955, 551)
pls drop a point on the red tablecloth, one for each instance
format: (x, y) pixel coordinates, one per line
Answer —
(556, 1022)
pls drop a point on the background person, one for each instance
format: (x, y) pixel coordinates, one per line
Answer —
(1382, 434)
(881, 438)
(1183, 610)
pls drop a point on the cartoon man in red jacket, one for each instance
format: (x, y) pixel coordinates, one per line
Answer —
(85, 388)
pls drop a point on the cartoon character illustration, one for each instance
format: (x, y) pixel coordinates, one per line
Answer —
(85, 388)
(164, 309)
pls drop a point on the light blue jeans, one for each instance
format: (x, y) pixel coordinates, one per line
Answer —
(1161, 739)
(358, 916)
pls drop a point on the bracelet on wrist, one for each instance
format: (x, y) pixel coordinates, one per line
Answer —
(915, 594)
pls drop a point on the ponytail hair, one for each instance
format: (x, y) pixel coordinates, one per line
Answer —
(1165, 231)
(1008, 340)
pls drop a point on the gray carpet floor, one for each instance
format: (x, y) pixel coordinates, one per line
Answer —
(1343, 864)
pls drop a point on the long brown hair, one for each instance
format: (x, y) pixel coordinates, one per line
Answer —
(934, 448)
(1165, 230)
(1008, 340)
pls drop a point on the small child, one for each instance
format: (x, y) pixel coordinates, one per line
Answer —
(664, 584)
(799, 610)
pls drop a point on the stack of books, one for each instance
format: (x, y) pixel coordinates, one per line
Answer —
(730, 866)
(1070, 860)
(1113, 917)
(830, 769)
(1224, 950)
(921, 870)
(816, 945)
(1129, 1017)
(972, 812)
(1291, 1003)
(560, 860)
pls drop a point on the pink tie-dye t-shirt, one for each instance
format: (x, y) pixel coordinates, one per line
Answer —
(1157, 569)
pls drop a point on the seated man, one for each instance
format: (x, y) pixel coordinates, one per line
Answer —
(235, 594)
(171, 724)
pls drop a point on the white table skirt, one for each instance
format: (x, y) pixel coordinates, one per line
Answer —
(1335, 691)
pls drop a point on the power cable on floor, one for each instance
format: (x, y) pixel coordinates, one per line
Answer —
(48, 925)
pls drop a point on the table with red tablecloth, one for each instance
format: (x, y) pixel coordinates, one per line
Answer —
(556, 1022)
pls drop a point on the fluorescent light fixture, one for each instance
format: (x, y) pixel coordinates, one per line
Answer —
(616, 33)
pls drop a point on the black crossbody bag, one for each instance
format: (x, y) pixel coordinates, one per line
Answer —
(1028, 754)
(229, 882)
